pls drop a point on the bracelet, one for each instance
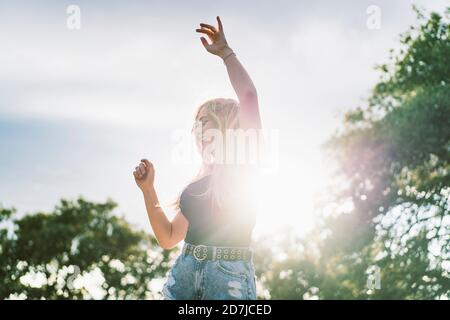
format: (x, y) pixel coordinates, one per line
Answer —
(228, 55)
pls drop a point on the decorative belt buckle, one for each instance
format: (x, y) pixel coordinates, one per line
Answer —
(200, 249)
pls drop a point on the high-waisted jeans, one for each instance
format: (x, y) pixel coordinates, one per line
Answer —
(191, 279)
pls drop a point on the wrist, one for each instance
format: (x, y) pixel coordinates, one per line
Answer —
(148, 190)
(225, 53)
(150, 196)
(151, 199)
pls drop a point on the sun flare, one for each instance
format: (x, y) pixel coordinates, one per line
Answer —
(287, 198)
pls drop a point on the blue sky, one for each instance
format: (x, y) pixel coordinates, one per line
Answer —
(79, 108)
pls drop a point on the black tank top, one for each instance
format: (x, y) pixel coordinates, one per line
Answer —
(231, 226)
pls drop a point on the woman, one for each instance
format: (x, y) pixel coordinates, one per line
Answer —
(215, 216)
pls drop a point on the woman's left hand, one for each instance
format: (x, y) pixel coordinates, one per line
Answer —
(218, 45)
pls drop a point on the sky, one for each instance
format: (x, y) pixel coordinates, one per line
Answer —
(80, 108)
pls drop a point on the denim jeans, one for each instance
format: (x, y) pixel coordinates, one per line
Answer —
(191, 279)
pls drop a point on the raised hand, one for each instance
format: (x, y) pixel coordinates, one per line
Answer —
(218, 45)
(144, 175)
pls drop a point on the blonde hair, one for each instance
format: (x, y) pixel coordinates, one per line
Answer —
(224, 114)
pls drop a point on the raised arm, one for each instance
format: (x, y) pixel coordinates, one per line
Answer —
(249, 116)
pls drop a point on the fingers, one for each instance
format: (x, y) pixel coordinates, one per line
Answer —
(137, 173)
(208, 26)
(147, 163)
(205, 31)
(219, 22)
(142, 169)
(140, 172)
(205, 43)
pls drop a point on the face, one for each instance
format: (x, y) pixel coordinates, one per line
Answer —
(202, 124)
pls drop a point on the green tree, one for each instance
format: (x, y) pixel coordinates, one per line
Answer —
(47, 255)
(394, 173)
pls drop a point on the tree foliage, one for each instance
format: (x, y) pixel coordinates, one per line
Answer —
(393, 156)
(80, 250)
